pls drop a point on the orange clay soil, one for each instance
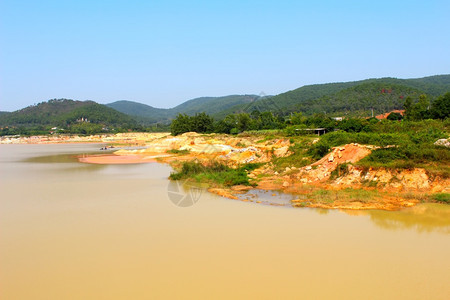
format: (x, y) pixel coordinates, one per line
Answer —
(107, 159)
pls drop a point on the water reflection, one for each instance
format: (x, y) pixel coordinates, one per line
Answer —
(322, 211)
(59, 158)
(430, 217)
(184, 193)
(70, 160)
(421, 218)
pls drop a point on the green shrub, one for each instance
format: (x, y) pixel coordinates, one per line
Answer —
(234, 131)
(216, 172)
(394, 116)
(319, 149)
(385, 155)
(341, 170)
(442, 197)
(177, 151)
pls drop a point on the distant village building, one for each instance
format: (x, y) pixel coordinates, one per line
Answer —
(83, 120)
(384, 116)
(318, 131)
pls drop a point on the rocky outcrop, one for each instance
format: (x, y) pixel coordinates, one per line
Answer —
(416, 179)
(443, 143)
(230, 150)
(321, 170)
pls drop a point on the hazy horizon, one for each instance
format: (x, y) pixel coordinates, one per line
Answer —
(186, 100)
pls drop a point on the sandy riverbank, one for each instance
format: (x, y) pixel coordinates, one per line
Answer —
(107, 159)
(356, 189)
(387, 189)
(129, 139)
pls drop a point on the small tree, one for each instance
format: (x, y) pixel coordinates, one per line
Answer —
(243, 121)
(394, 116)
(440, 108)
(202, 123)
(297, 118)
(419, 111)
(181, 124)
(408, 107)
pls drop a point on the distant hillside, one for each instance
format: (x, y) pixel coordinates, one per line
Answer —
(352, 98)
(4, 112)
(146, 114)
(359, 100)
(143, 113)
(64, 112)
(356, 98)
(432, 85)
(286, 102)
(212, 105)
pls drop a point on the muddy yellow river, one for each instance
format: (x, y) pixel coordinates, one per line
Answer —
(70, 230)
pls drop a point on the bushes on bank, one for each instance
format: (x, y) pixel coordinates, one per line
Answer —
(215, 172)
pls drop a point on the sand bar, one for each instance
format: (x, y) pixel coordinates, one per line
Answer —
(116, 159)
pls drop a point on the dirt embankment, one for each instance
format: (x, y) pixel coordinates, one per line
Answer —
(232, 151)
(383, 188)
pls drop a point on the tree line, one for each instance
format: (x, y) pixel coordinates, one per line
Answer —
(106, 120)
(256, 120)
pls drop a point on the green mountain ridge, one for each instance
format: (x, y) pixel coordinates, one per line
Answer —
(142, 113)
(66, 112)
(360, 99)
(146, 114)
(356, 98)
(345, 97)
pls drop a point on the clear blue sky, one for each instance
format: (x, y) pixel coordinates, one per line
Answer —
(163, 53)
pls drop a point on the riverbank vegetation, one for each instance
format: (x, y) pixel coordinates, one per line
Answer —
(215, 172)
(296, 122)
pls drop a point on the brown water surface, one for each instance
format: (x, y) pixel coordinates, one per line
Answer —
(78, 231)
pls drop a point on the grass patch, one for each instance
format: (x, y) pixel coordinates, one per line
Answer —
(177, 151)
(215, 172)
(421, 197)
(319, 150)
(272, 133)
(438, 170)
(441, 197)
(430, 157)
(341, 170)
(299, 157)
(348, 195)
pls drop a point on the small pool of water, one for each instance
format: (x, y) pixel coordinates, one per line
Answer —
(268, 197)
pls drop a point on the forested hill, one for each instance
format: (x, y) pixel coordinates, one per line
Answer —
(354, 98)
(143, 113)
(211, 105)
(432, 85)
(359, 100)
(64, 112)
